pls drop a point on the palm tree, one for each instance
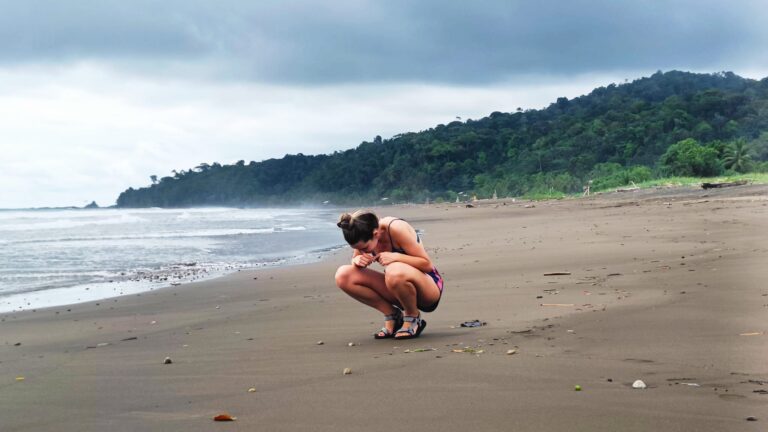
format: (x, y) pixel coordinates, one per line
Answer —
(737, 156)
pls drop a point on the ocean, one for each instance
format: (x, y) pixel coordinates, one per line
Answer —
(58, 257)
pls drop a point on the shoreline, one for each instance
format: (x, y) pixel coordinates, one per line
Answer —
(65, 296)
(663, 288)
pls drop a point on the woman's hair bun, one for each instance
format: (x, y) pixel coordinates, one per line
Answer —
(344, 221)
(358, 226)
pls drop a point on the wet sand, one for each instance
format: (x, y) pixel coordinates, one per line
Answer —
(665, 286)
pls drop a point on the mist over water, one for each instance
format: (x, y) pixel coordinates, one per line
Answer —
(54, 257)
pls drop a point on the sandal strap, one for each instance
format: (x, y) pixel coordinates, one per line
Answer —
(414, 320)
(393, 316)
(397, 317)
(408, 330)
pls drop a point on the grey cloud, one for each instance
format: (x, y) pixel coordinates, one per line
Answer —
(313, 42)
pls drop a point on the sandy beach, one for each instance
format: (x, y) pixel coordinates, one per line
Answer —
(667, 286)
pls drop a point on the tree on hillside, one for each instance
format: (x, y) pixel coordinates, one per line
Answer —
(736, 156)
(759, 147)
(691, 159)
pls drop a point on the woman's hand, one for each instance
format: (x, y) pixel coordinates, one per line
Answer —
(363, 260)
(387, 258)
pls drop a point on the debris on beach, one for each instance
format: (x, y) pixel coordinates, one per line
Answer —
(320, 343)
(511, 352)
(577, 387)
(724, 184)
(751, 334)
(418, 350)
(98, 345)
(252, 390)
(473, 323)
(751, 418)
(558, 274)
(557, 304)
(347, 371)
(224, 417)
(167, 361)
(639, 384)
(351, 344)
(468, 350)
(21, 378)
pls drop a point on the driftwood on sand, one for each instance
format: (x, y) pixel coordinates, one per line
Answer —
(722, 185)
(628, 189)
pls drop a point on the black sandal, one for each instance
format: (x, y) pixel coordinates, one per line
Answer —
(415, 321)
(385, 333)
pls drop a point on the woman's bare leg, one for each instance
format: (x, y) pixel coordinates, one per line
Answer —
(411, 287)
(368, 287)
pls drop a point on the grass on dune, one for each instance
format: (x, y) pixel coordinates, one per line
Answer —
(758, 178)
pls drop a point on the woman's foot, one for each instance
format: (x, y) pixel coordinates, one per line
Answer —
(412, 327)
(392, 322)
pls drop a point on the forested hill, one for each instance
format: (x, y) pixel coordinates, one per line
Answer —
(668, 123)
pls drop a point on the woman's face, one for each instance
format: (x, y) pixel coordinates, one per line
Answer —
(370, 245)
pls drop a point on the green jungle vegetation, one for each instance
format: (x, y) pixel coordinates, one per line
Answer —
(669, 124)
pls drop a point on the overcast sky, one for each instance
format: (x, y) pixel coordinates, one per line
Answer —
(96, 96)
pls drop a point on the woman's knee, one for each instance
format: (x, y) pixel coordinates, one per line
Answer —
(344, 275)
(397, 273)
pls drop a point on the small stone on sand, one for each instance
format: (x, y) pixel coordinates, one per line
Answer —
(511, 352)
(320, 343)
(167, 360)
(347, 371)
(639, 384)
(251, 390)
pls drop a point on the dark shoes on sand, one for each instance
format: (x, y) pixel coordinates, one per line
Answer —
(413, 331)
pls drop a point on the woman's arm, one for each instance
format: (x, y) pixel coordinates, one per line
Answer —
(405, 236)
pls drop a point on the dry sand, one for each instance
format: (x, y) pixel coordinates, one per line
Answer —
(666, 286)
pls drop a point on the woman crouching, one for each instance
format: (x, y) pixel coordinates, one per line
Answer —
(409, 283)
